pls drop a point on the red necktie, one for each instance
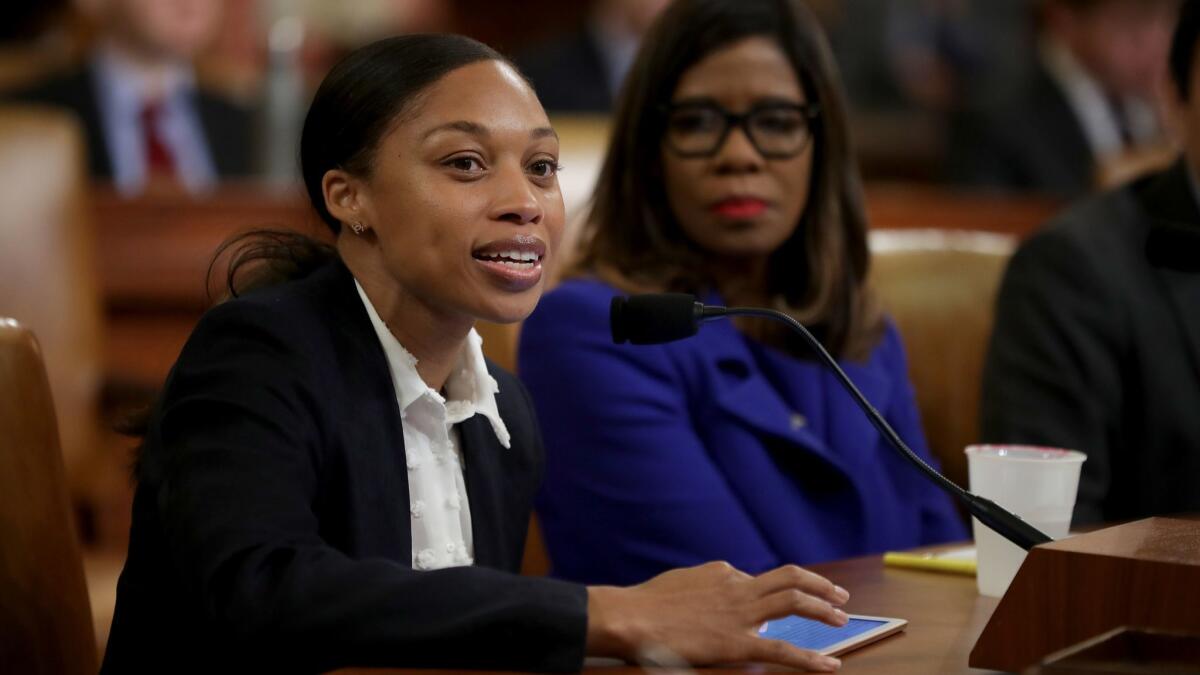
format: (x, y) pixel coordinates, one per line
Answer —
(158, 157)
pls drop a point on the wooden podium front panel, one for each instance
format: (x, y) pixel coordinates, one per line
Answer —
(1144, 574)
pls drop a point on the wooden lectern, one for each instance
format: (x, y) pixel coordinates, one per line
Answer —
(1144, 574)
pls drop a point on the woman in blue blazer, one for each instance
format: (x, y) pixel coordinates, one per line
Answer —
(729, 175)
(335, 476)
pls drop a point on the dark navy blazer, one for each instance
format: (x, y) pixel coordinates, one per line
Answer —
(715, 447)
(271, 519)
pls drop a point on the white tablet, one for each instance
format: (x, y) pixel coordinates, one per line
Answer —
(830, 640)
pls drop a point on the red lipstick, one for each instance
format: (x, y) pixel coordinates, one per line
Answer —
(739, 207)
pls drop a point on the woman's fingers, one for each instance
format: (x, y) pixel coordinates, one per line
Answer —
(710, 614)
(791, 601)
(792, 576)
(762, 650)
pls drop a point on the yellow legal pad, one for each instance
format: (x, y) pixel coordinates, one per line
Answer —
(960, 560)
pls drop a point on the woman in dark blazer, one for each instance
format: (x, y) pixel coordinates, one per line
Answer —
(277, 525)
(729, 176)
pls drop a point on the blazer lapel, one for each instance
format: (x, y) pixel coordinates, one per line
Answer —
(753, 402)
(481, 470)
(99, 155)
(747, 395)
(1063, 155)
(371, 425)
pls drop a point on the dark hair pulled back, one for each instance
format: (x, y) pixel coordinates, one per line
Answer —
(358, 102)
(365, 94)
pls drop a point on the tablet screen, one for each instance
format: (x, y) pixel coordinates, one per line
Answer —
(810, 634)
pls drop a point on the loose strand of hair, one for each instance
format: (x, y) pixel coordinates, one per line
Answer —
(265, 257)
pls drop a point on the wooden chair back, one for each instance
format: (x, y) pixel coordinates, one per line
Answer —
(45, 616)
(940, 288)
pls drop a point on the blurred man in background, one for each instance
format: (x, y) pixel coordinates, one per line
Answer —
(1097, 335)
(1090, 102)
(147, 122)
(583, 71)
(910, 65)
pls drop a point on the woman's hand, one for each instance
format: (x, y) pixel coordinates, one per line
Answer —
(711, 614)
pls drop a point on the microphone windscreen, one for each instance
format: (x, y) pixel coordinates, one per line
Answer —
(654, 318)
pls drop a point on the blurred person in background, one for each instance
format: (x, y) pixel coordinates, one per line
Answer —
(1089, 103)
(1097, 335)
(729, 175)
(906, 54)
(582, 71)
(911, 65)
(147, 122)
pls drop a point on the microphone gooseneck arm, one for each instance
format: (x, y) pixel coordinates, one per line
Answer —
(988, 512)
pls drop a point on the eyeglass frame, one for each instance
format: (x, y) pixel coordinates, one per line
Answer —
(810, 112)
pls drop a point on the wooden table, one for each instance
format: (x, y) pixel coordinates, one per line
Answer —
(945, 616)
(944, 612)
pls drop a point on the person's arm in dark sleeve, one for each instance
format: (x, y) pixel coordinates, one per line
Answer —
(1052, 375)
(241, 453)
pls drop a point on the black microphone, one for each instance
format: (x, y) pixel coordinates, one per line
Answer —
(664, 317)
(651, 319)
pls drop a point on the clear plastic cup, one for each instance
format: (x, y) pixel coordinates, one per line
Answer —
(1038, 484)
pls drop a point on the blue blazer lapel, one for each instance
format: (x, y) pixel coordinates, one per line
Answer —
(747, 395)
(753, 402)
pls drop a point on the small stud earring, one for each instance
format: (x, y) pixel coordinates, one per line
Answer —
(357, 227)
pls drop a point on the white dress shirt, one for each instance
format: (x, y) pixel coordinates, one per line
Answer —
(439, 513)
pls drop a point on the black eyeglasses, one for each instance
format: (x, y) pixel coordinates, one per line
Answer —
(777, 130)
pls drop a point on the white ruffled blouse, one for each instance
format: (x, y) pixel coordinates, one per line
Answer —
(439, 513)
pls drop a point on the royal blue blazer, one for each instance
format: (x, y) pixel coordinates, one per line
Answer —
(715, 448)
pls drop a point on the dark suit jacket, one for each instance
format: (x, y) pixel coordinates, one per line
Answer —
(1097, 349)
(271, 520)
(227, 126)
(569, 74)
(1031, 142)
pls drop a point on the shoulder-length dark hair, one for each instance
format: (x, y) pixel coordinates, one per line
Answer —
(631, 237)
